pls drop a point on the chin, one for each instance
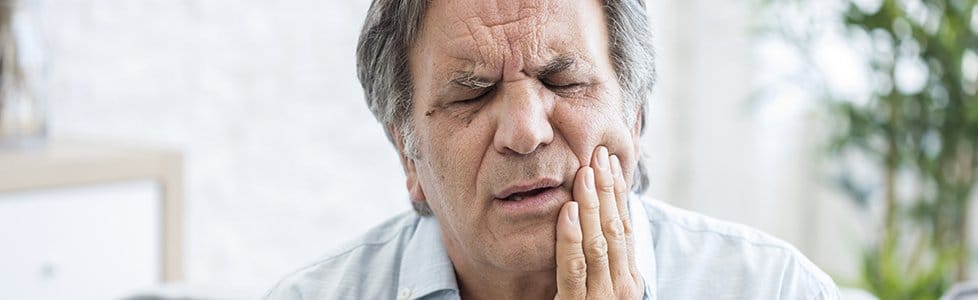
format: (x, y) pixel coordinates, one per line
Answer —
(528, 251)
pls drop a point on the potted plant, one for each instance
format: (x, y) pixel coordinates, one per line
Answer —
(22, 119)
(918, 128)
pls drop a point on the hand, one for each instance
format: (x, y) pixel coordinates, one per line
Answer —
(594, 252)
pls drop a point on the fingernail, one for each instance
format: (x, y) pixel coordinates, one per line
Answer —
(602, 158)
(589, 179)
(572, 213)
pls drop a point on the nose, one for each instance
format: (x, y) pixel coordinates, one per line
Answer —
(523, 122)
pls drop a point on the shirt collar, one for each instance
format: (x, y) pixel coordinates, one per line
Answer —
(426, 268)
(644, 248)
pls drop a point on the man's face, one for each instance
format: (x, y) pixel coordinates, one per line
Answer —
(511, 96)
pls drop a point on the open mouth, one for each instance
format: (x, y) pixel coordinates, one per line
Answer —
(531, 199)
(521, 191)
(527, 194)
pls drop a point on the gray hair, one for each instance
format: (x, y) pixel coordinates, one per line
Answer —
(392, 26)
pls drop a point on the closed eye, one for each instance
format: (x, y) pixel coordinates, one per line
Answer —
(571, 88)
(478, 98)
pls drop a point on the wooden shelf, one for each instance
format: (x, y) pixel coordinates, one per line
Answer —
(73, 161)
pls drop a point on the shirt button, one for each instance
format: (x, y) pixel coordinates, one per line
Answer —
(404, 294)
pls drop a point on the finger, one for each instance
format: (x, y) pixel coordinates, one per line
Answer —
(611, 222)
(621, 190)
(594, 244)
(571, 264)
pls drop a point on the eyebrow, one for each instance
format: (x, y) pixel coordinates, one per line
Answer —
(556, 65)
(468, 79)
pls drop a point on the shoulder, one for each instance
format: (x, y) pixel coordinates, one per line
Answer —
(361, 266)
(691, 247)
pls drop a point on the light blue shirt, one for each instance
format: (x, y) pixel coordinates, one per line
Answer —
(681, 255)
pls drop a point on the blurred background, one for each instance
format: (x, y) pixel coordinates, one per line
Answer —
(207, 148)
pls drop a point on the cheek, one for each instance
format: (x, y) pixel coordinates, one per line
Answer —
(586, 127)
(451, 164)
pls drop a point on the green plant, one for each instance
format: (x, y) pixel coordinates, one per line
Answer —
(922, 139)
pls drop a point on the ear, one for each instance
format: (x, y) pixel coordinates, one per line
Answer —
(415, 192)
(639, 121)
(637, 132)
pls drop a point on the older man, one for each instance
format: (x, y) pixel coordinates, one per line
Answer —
(518, 125)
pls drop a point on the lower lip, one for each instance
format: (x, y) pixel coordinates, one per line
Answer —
(540, 204)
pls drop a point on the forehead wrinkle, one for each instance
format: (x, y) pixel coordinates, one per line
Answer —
(496, 30)
(512, 39)
(468, 41)
(507, 12)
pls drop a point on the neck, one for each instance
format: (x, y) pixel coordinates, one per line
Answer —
(483, 283)
(480, 280)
